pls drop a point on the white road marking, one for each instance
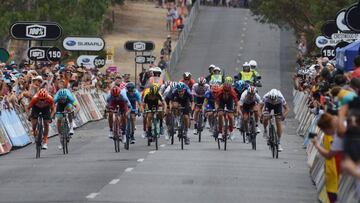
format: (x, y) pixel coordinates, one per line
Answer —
(163, 145)
(246, 18)
(151, 152)
(114, 181)
(239, 55)
(245, 23)
(241, 41)
(92, 195)
(238, 61)
(242, 35)
(241, 48)
(244, 29)
(129, 169)
(140, 160)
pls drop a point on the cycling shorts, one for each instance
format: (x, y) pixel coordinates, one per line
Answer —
(247, 108)
(229, 104)
(276, 107)
(35, 112)
(199, 100)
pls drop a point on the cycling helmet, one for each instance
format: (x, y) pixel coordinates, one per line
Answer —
(130, 86)
(273, 94)
(167, 83)
(62, 93)
(42, 93)
(157, 70)
(115, 91)
(173, 85)
(201, 81)
(180, 86)
(246, 67)
(214, 87)
(252, 90)
(212, 66)
(253, 63)
(187, 75)
(217, 69)
(228, 80)
(226, 87)
(154, 90)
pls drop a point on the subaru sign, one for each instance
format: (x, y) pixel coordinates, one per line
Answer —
(86, 61)
(36, 31)
(37, 53)
(139, 46)
(84, 43)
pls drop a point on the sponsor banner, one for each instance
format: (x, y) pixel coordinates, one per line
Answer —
(5, 144)
(36, 31)
(322, 41)
(11, 124)
(86, 61)
(83, 43)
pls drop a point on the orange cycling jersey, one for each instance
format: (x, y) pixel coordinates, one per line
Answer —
(42, 103)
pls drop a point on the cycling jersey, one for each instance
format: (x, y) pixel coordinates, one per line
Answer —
(66, 103)
(199, 91)
(43, 106)
(247, 99)
(216, 79)
(210, 100)
(280, 99)
(156, 80)
(189, 83)
(226, 100)
(185, 100)
(239, 87)
(135, 97)
(151, 101)
(122, 102)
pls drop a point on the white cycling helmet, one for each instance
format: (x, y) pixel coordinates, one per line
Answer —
(157, 70)
(212, 66)
(253, 63)
(217, 69)
(273, 94)
(246, 64)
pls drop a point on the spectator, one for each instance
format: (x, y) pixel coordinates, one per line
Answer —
(331, 151)
(162, 63)
(356, 71)
(167, 47)
(168, 20)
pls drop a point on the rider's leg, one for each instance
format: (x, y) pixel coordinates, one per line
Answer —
(231, 122)
(46, 131)
(149, 117)
(111, 120)
(278, 127)
(246, 121)
(221, 121)
(133, 121)
(33, 125)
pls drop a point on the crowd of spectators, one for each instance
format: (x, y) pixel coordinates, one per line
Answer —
(334, 97)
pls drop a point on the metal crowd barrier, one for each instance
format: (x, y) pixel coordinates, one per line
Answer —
(15, 129)
(176, 54)
(307, 119)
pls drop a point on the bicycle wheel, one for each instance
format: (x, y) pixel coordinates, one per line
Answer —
(128, 133)
(225, 133)
(182, 134)
(271, 140)
(116, 136)
(39, 135)
(172, 129)
(276, 145)
(252, 133)
(199, 125)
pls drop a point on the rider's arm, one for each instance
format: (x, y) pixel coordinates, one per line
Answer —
(286, 110)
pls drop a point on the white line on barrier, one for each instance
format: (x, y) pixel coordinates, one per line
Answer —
(151, 152)
(114, 181)
(140, 160)
(129, 169)
(92, 195)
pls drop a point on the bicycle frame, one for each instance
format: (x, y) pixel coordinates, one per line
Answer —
(40, 134)
(273, 139)
(64, 131)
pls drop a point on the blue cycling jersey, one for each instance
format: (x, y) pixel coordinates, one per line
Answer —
(136, 97)
(210, 100)
(69, 99)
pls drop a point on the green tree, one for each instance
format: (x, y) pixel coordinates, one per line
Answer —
(303, 16)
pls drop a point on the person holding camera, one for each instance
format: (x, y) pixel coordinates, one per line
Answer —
(331, 149)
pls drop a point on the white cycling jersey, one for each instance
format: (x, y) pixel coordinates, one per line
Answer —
(279, 100)
(247, 99)
(167, 91)
(200, 90)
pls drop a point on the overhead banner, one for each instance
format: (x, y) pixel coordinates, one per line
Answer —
(86, 61)
(83, 43)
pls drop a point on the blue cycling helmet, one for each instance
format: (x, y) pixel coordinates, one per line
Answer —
(130, 86)
(63, 93)
(180, 86)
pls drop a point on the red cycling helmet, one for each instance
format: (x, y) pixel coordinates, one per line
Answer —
(115, 91)
(43, 94)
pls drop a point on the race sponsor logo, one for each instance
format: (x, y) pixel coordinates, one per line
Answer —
(35, 31)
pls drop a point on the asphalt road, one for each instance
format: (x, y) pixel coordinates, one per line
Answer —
(201, 173)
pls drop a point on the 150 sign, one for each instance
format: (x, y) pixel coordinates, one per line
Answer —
(328, 51)
(44, 54)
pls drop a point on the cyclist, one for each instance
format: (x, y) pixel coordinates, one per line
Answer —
(211, 72)
(228, 80)
(249, 101)
(43, 103)
(216, 78)
(187, 80)
(253, 65)
(157, 77)
(240, 86)
(274, 100)
(113, 100)
(151, 101)
(133, 95)
(209, 103)
(246, 74)
(183, 98)
(167, 96)
(226, 98)
(198, 92)
(65, 103)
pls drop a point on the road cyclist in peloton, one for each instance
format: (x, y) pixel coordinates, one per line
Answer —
(250, 101)
(187, 80)
(113, 100)
(65, 102)
(198, 92)
(133, 95)
(181, 97)
(274, 101)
